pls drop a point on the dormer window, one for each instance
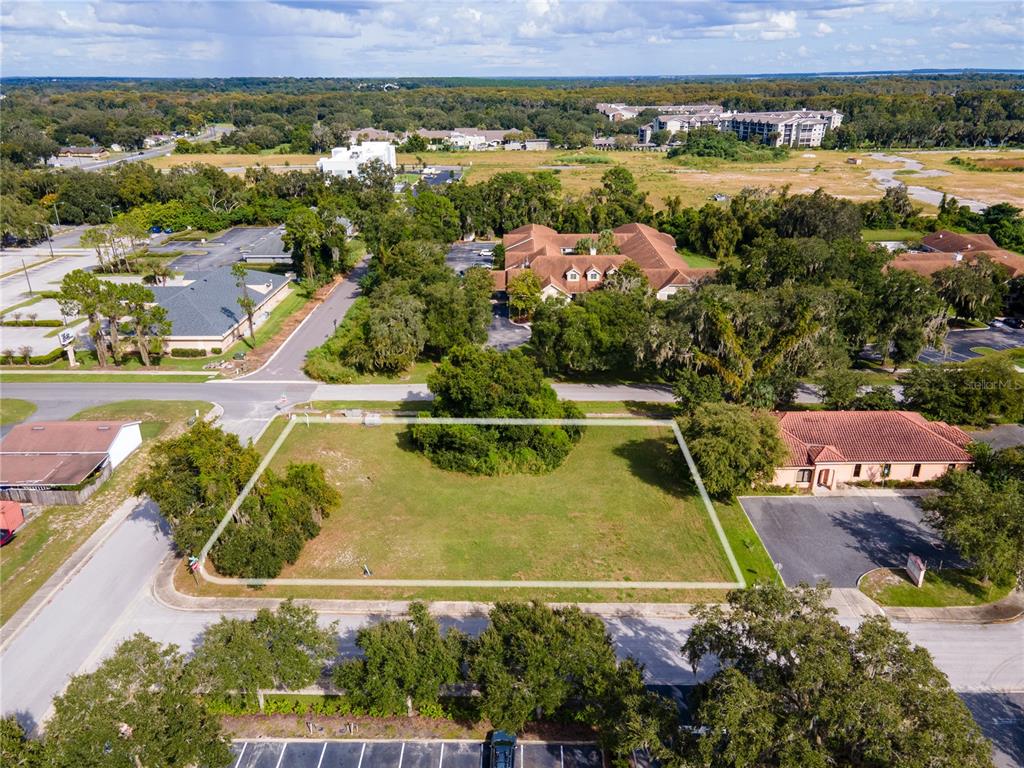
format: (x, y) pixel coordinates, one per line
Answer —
(593, 274)
(572, 275)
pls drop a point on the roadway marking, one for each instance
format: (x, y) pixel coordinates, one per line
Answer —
(318, 762)
(561, 755)
(361, 753)
(281, 756)
(401, 755)
(242, 753)
(439, 761)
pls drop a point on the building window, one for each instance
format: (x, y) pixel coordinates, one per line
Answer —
(803, 476)
(917, 470)
(572, 275)
(856, 470)
(886, 470)
(593, 275)
(950, 467)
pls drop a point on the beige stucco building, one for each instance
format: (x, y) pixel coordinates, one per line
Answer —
(828, 449)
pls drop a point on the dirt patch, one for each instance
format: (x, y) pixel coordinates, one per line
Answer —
(363, 728)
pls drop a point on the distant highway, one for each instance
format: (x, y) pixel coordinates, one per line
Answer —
(209, 133)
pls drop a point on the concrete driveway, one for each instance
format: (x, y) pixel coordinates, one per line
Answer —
(840, 538)
(503, 334)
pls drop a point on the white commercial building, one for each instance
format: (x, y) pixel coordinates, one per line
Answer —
(345, 161)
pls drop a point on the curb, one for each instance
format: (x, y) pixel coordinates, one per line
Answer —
(953, 614)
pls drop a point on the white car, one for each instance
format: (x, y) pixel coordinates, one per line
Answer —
(487, 253)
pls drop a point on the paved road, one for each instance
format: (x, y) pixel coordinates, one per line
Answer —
(841, 538)
(286, 364)
(503, 334)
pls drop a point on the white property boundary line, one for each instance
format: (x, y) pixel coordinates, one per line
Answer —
(370, 582)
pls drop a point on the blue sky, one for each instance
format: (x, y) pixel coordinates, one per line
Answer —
(362, 38)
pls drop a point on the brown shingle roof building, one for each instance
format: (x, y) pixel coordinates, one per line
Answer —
(830, 447)
(945, 241)
(550, 256)
(52, 454)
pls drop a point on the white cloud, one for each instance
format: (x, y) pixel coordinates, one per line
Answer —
(958, 46)
(822, 29)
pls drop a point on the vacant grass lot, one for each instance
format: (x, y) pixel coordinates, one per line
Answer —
(993, 186)
(42, 545)
(616, 510)
(277, 162)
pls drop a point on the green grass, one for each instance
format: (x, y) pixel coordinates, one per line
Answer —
(878, 235)
(618, 509)
(46, 541)
(13, 410)
(583, 158)
(942, 588)
(22, 305)
(696, 261)
(95, 378)
(755, 562)
(155, 415)
(292, 303)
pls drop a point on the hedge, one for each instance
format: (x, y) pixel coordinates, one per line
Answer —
(33, 323)
(50, 357)
(182, 352)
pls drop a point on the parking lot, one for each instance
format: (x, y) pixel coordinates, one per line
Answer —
(405, 754)
(840, 538)
(960, 343)
(462, 256)
(225, 249)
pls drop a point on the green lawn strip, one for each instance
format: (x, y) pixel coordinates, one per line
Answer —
(17, 377)
(22, 305)
(42, 545)
(270, 434)
(74, 322)
(377, 406)
(417, 374)
(755, 562)
(13, 410)
(616, 510)
(880, 235)
(696, 261)
(942, 588)
(155, 415)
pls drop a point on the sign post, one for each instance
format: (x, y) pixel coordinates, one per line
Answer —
(915, 569)
(66, 338)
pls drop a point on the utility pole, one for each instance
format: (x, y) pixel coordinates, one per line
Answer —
(56, 216)
(25, 270)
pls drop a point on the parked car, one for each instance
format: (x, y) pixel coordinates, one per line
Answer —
(1014, 322)
(487, 253)
(155, 230)
(503, 749)
(5, 536)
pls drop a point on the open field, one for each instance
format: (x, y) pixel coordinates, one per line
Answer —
(612, 512)
(48, 539)
(235, 161)
(13, 411)
(618, 509)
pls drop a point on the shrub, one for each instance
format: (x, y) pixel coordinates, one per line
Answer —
(182, 352)
(33, 323)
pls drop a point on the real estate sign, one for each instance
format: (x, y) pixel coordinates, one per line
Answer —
(915, 569)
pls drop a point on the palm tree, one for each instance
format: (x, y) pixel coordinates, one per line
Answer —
(156, 273)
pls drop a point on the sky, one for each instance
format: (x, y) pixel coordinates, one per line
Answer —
(391, 38)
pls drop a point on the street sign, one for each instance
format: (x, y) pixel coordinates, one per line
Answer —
(65, 337)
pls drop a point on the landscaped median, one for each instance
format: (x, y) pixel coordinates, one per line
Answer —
(620, 521)
(942, 588)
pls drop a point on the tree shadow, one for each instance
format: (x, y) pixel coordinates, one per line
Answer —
(887, 540)
(27, 721)
(1001, 719)
(658, 462)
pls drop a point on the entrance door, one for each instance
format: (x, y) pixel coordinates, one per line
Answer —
(823, 478)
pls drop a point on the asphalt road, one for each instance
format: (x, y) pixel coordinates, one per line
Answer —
(841, 538)
(286, 364)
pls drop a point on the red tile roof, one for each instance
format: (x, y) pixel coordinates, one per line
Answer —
(539, 249)
(927, 263)
(883, 437)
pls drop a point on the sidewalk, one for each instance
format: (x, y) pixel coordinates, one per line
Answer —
(1009, 609)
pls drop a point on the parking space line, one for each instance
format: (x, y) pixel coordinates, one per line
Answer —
(401, 755)
(318, 762)
(440, 760)
(361, 753)
(561, 755)
(522, 756)
(238, 762)
(280, 757)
